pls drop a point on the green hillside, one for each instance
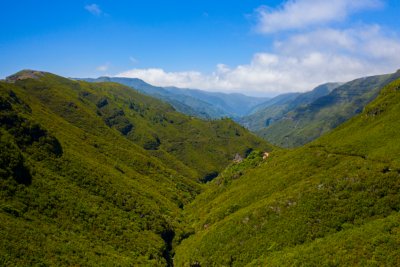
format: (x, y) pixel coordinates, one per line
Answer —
(334, 202)
(304, 123)
(185, 104)
(98, 174)
(266, 113)
(276, 108)
(198, 103)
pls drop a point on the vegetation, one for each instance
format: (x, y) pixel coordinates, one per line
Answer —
(98, 173)
(202, 104)
(296, 125)
(276, 108)
(333, 202)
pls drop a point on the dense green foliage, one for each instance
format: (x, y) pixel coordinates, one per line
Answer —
(305, 123)
(334, 202)
(97, 173)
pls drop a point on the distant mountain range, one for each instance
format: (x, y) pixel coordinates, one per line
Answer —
(295, 122)
(98, 173)
(192, 102)
(287, 120)
(274, 109)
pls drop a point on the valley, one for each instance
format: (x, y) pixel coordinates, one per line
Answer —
(200, 133)
(286, 120)
(98, 172)
(326, 203)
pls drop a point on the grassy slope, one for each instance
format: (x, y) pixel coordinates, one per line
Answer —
(161, 130)
(306, 123)
(333, 202)
(97, 172)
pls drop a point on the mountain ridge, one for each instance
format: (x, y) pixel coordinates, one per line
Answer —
(334, 201)
(276, 108)
(95, 173)
(98, 172)
(194, 102)
(305, 123)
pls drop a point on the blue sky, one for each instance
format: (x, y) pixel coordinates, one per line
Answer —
(250, 46)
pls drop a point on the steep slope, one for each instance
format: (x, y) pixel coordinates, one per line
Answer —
(306, 123)
(275, 109)
(202, 145)
(95, 173)
(334, 202)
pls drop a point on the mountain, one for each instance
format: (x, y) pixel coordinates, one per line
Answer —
(97, 173)
(235, 105)
(275, 109)
(184, 104)
(333, 202)
(305, 123)
(264, 114)
(275, 101)
(190, 101)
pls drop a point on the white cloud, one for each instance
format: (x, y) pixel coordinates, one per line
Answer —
(160, 77)
(301, 60)
(104, 67)
(298, 63)
(299, 14)
(94, 9)
(369, 43)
